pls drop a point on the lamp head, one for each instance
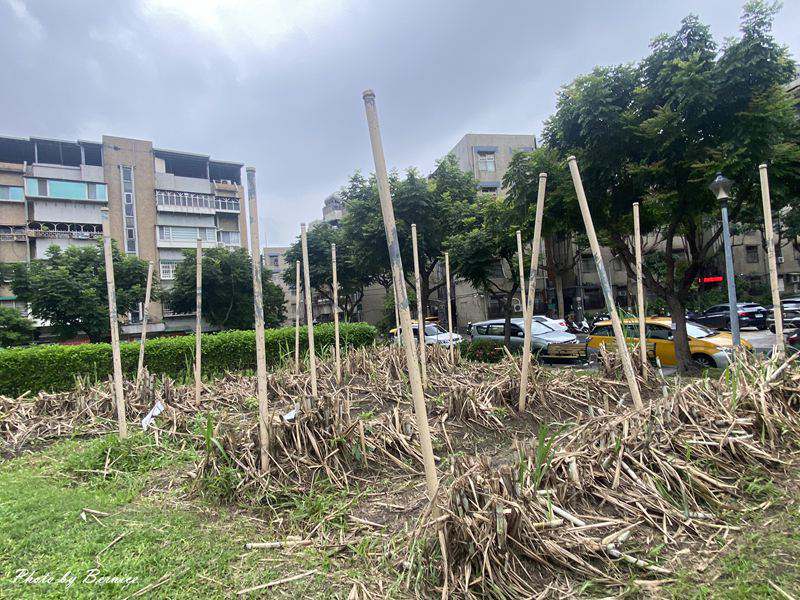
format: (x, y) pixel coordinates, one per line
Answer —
(721, 187)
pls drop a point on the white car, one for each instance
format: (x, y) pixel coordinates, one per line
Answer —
(434, 334)
(554, 324)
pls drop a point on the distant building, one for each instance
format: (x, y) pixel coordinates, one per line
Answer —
(159, 201)
(275, 261)
(488, 155)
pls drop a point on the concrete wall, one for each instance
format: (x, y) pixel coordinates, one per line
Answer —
(506, 144)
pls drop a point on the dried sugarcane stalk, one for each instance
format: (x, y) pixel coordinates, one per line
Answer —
(528, 312)
(637, 240)
(145, 315)
(420, 408)
(420, 318)
(114, 323)
(521, 261)
(771, 263)
(297, 318)
(258, 310)
(312, 359)
(611, 306)
(449, 308)
(335, 288)
(198, 325)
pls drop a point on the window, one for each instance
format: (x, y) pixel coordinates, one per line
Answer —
(167, 269)
(11, 192)
(481, 329)
(229, 238)
(129, 205)
(587, 262)
(486, 161)
(603, 330)
(752, 254)
(171, 233)
(488, 190)
(657, 332)
(498, 329)
(65, 190)
(274, 260)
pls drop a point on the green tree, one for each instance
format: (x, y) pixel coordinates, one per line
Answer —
(486, 239)
(68, 288)
(657, 133)
(352, 273)
(15, 329)
(227, 289)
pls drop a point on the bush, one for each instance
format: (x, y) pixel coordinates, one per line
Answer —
(55, 367)
(484, 351)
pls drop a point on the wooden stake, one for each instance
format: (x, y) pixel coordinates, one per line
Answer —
(198, 324)
(637, 240)
(312, 359)
(122, 423)
(771, 262)
(611, 306)
(420, 318)
(145, 315)
(521, 261)
(258, 312)
(449, 308)
(396, 314)
(337, 350)
(531, 296)
(297, 318)
(420, 409)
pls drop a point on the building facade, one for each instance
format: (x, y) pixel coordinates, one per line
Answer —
(159, 203)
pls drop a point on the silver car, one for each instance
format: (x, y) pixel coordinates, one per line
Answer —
(541, 335)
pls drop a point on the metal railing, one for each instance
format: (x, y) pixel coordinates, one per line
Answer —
(191, 200)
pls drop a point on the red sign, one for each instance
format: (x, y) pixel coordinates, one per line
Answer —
(714, 279)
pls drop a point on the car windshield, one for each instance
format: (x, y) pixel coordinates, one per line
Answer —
(433, 329)
(539, 328)
(696, 330)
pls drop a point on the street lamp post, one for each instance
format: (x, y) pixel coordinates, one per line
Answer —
(721, 187)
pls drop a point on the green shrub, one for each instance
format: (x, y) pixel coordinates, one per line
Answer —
(55, 367)
(484, 351)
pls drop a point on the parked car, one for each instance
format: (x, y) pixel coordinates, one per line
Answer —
(434, 334)
(793, 339)
(554, 324)
(708, 347)
(790, 311)
(541, 335)
(718, 316)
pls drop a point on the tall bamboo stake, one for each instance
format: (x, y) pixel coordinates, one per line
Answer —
(771, 262)
(420, 317)
(637, 240)
(420, 409)
(521, 261)
(531, 296)
(297, 318)
(119, 397)
(449, 308)
(258, 311)
(337, 350)
(611, 306)
(396, 314)
(198, 323)
(312, 359)
(145, 315)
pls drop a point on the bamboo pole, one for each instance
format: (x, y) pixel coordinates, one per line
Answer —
(258, 312)
(611, 306)
(420, 409)
(420, 319)
(396, 315)
(637, 240)
(145, 315)
(337, 349)
(771, 262)
(297, 318)
(521, 261)
(531, 296)
(198, 323)
(111, 287)
(449, 308)
(312, 359)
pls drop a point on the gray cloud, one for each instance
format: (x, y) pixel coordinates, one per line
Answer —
(279, 87)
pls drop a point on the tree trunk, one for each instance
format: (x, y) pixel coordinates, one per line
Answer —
(560, 293)
(508, 311)
(425, 293)
(683, 356)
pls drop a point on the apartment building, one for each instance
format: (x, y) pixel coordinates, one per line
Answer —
(488, 155)
(275, 260)
(159, 202)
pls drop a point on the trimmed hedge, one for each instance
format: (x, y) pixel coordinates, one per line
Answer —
(55, 367)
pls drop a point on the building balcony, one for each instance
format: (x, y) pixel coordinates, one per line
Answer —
(65, 231)
(188, 202)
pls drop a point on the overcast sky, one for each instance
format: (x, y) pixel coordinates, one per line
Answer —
(277, 84)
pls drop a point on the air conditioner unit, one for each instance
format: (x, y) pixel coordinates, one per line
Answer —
(779, 260)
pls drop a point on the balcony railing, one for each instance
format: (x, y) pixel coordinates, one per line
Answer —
(63, 231)
(197, 203)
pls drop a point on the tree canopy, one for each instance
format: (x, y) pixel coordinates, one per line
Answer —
(68, 288)
(15, 329)
(227, 289)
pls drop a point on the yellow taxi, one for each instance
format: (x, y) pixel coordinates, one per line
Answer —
(709, 347)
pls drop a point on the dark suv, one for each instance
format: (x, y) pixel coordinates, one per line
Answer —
(718, 316)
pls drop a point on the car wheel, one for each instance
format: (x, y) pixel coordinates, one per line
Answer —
(704, 360)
